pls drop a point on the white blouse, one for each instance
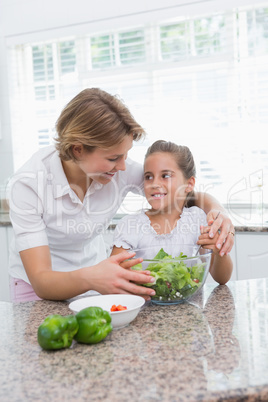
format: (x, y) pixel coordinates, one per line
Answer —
(134, 232)
(44, 210)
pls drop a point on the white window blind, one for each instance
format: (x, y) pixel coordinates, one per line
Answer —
(199, 81)
(103, 53)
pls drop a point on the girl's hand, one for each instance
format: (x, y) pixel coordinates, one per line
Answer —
(207, 242)
(110, 277)
(225, 241)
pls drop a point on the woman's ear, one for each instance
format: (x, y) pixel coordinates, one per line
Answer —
(190, 184)
(77, 150)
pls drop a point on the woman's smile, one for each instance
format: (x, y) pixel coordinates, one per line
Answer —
(109, 175)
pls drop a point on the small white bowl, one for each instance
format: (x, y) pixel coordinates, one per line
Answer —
(120, 319)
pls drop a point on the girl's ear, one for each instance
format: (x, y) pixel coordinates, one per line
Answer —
(190, 184)
(77, 150)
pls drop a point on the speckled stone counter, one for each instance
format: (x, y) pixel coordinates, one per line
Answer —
(252, 229)
(213, 350)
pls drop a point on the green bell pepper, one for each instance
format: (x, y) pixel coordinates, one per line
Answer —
(57, 332)
(94, 325)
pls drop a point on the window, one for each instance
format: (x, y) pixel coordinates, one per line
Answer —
(132, 47)
(122, 48)
(43, 68)
(67, 57)
(257, 21)
(209, 35)
(202, 36)
(200, 81)
(103, 51)
(175, 41)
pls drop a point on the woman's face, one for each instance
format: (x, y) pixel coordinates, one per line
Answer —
(164, 184)
(101, 165)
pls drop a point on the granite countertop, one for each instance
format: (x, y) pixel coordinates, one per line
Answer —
(213, 350)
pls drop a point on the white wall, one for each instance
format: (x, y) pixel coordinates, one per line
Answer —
(38, 18)
(6, 160)
(34, 20)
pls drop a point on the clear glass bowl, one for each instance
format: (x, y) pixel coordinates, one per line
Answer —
(180, 271)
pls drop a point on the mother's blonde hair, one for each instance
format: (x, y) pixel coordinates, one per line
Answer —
(94, 119)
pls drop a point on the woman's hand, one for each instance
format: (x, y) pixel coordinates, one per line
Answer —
(221, 222)
(126, 263)
(110, 277)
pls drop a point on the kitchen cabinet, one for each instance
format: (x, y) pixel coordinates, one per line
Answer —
(249, 256)
(5, 233)
(252, 255)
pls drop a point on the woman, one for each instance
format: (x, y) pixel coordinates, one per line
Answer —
(63, 198)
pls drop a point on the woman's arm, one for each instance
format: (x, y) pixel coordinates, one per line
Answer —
(212, 207)
(106, 277)
(221, 268)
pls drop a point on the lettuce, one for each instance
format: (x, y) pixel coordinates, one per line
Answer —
(174, 280)
(161, 254)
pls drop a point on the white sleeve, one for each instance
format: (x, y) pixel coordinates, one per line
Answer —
(194, 217)
(202, 217)
(26, 210)
(126, 233)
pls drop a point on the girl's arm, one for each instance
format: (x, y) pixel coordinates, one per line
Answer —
(106, 277)
(221, 268)
(117, 250)
(211, 206)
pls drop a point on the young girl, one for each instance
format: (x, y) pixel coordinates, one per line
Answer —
(63, 199)
(169, 180)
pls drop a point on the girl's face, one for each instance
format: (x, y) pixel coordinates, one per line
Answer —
(101, 165)
(164, 184)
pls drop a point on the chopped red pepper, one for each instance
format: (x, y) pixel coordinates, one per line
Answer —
(196, 280)
(118, 308)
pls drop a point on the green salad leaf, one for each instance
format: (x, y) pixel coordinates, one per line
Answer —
(161, 254)
(174, 280)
